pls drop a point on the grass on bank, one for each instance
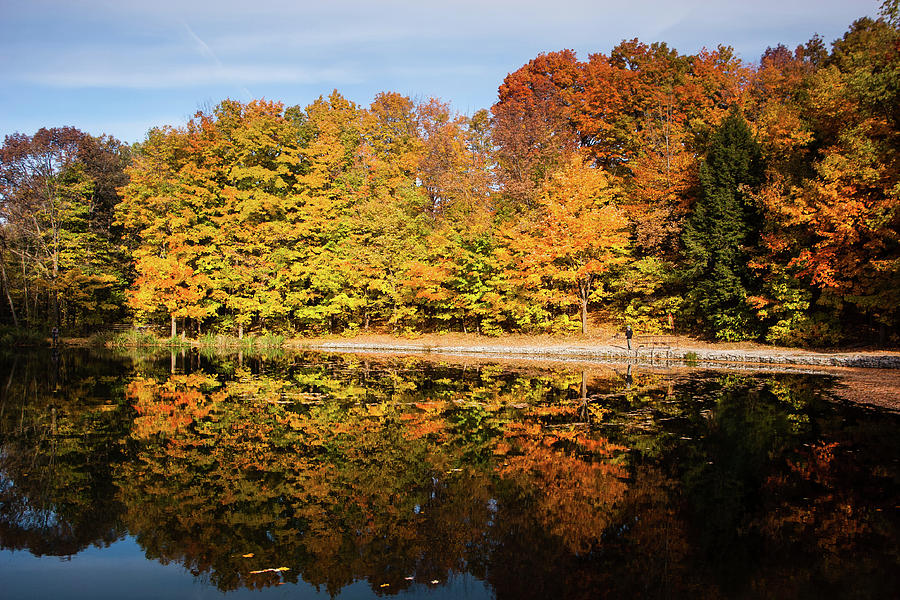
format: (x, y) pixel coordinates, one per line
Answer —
(136, 338)
(266, 340)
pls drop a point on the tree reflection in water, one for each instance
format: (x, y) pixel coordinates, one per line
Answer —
(541, 482)
(59, 446)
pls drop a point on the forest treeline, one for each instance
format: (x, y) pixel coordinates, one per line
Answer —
(642, 186)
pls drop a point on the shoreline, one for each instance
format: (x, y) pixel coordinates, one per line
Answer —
(866, 377)
(606, 352)
(602, 348)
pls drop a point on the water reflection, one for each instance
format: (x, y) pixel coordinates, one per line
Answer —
(253, 472)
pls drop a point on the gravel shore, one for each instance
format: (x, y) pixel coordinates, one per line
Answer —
(557, 351)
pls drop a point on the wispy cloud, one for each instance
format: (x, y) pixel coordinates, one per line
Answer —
(205, 50)
(159, 77)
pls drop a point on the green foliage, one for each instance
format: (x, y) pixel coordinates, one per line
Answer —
(60, 259)
(817, 330)
(646, 289)
(11, 337)
(130, 338)
(721, 232)
(269, 340)
(211, 339)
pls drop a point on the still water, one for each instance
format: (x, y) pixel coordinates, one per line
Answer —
(334, 476)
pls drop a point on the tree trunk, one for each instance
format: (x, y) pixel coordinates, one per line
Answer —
(174, 327)
(25, 291)
(56, 312)
(12, 309)
(584, 289)
(585, 413)
(9, 380)
(584, 317)
(240, 331)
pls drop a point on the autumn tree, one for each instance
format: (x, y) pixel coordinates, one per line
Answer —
(350, 187)
(57, 248)
(850, 208)
(644, 113)
(255, 162)
(389, 215)
(783, 300)
(164, 218)
(532, 127)
(829, 126)
(566, 249)
(452, 166)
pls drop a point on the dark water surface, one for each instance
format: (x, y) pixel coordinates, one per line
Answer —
(314, 476)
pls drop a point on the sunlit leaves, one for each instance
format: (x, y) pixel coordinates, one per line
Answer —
(571, 242)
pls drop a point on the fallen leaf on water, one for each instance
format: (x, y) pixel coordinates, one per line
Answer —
(409, 578)
(248, 555)
(275, 570)
(385, 585)
(435, 581)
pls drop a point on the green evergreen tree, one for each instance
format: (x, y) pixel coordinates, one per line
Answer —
(722, 230)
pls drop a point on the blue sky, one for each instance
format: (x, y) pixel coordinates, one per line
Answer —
(121, 66)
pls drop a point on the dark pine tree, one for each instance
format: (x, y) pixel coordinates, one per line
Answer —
(721, 232)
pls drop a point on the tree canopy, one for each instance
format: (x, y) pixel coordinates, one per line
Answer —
(750, 201)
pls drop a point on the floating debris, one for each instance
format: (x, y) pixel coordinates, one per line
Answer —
(273, 570)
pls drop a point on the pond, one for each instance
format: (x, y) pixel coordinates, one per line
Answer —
(351, 476)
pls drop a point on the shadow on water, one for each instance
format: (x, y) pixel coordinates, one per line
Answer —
(539, 482)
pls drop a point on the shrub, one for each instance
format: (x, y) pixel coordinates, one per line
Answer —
(12, 336)
(130, 338)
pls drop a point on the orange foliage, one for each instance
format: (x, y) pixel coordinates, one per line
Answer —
(576, 496)
(172, 407)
